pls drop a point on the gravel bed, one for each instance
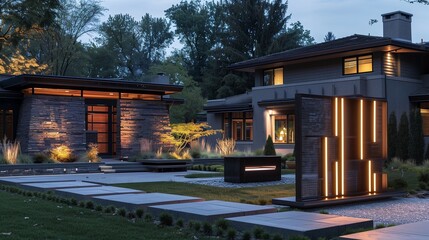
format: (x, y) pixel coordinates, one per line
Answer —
(394, 211)
(219, 182)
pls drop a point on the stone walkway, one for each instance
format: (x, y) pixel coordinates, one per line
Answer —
(90, 187)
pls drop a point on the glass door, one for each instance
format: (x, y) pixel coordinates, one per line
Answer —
(101, 118)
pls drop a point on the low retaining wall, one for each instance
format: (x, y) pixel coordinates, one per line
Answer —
(49, 168)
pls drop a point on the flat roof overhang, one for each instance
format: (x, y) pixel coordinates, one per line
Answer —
(95, 84)
(5, 94)
(283, 59)
(278, 103)
(245, 107)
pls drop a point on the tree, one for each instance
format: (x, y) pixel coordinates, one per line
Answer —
(136, 45)
(60, 47)
(18, 64)
(269, 147)
(174, 68)
(197, 26)
(182, 134)
(403, 138)
(329, 37)
(20, 17)
(392, 137)
(417, 143)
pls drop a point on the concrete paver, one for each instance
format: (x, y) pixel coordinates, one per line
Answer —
(210, 211)
(45, 186)
(312, 225)
(143, 200)
(87, 193)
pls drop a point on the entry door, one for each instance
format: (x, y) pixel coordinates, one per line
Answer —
(101, 118)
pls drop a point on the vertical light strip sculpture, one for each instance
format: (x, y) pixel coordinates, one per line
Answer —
(369, 177)
(336, 117)
(342, 146)
(326, 167)
(374, 106)
(361, 129)
(375, 182)
(336, 178)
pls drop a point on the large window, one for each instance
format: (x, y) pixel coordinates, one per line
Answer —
(238, 126)
(359, 64)
(273, 77)
(283, 128)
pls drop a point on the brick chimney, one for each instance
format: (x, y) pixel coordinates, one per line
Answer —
(397, 25)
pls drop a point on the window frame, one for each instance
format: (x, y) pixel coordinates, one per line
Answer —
(273, 71)
(227, 125)
(273, 127)
(357, 64)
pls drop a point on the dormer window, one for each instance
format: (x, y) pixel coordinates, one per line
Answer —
(358, 64)
(273, 77)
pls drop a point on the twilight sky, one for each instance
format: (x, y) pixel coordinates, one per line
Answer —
(342, 17)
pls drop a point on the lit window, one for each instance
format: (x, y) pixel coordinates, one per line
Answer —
(238, 126)
(283, 128)
(273, 77)
(424, 112)
(354, 65)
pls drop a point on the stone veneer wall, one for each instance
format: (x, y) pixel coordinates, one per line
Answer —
(141, 120)
(49, 121)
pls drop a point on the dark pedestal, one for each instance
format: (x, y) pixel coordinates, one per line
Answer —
(252, 169)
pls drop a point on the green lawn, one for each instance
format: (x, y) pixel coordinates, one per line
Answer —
(34, 218)
(253, 195)
(204, 175)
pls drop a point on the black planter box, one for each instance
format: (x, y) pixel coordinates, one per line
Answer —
(252, 169)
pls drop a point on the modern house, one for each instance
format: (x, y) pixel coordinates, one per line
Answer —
(42, 112)
(390, 69)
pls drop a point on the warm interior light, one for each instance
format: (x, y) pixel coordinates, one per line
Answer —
(326, 166)
(361, 129)
(375, 182)
(342, 146)
(336, 178)
(374, 121)
(336, 116)
(369, 177)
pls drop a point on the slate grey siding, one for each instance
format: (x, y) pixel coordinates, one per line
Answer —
(49, 121)
(141, 120)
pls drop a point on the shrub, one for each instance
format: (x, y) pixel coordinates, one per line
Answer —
(417, 141)
(62, 153)
(40, 158)
(423, 185)
(81, 203)
(262, 202)
(24, 159)
(266, 236)
(257, 232)
(92, 153)
(399, 183)
(299, 238)
(231, 234)
(89, 205)
(403, 137)
(423, 177)
(139, 212)
(225, 146)
(269, 147)
(246, 236)
(148, 218)
(222, 224)
(195, 153)
(277, 237)
(392, 133)
(207, 229)
(99, 208)
(10, 151)
(122, 212)
(197, 226)
(179, 223)
(259, 152)
(166, 219)
(131, 215)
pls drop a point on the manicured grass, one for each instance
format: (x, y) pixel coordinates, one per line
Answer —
(288, 171)
(34, 218)
(253, 195)
(204, 175)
